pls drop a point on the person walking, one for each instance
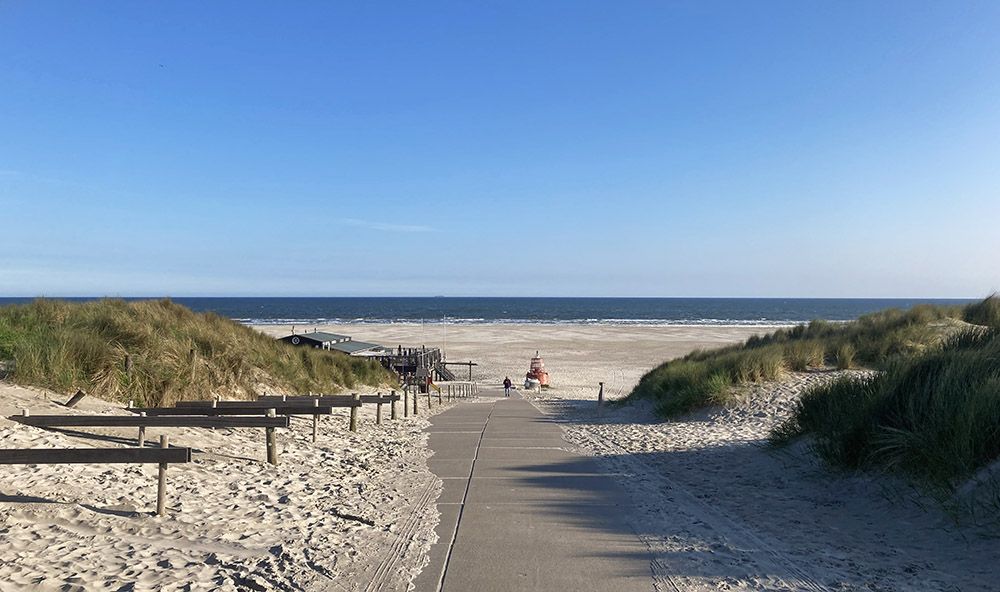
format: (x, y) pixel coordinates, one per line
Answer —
(506, 386)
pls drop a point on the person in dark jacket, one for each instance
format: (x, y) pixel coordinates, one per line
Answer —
(506, 386)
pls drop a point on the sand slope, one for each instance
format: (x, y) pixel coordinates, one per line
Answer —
(720, 512)
(352, 512)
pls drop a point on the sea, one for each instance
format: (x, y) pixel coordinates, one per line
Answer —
(589, 311)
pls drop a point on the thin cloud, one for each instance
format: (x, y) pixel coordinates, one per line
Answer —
(384, 227)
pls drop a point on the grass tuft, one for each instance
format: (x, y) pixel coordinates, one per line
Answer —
(844, 356)
(985, 313)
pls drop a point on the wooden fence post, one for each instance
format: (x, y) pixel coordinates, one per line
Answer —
(600, 395)
(161, 485)
(354, 411)
(271, 441)
(315, 419)
(439, 395)
(406, 401)
(378, 410)
(142, 432)
(392, 405)
(428, 397)
(416, 397)
(75, 398)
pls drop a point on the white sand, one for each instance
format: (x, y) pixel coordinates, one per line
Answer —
(576, 356)
(234, 522)
(717, 510)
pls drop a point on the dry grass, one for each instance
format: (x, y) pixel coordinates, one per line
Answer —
(175, 353)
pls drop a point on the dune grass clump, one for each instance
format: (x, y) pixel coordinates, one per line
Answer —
(985, 313)
(934, 416)
(844, 356)
(707, 377)
(805, 354)
(174, 353)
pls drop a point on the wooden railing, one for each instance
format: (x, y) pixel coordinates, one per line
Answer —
(162, 456)
(269, 412)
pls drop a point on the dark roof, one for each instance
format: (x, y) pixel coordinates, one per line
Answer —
(350, 347)
(321, 336)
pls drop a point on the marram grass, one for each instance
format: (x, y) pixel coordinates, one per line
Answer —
(65, 346)
(934, 416)
(707, 377)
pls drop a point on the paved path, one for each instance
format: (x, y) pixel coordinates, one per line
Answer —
(519, 513)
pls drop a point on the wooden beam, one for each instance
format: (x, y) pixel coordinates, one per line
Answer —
(133, 421)
(266, 404)
(298, 409)
(327, 398)
(379, 398)
(45, 456)
(75, 399)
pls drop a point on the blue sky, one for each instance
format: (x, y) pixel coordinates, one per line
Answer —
(500, 148)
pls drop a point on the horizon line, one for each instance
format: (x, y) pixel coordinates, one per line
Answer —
(508, 297)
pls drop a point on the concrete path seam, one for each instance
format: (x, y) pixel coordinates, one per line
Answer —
(465, 497)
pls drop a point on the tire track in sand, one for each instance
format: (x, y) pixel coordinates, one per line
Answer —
(652, 484)
(396, 552)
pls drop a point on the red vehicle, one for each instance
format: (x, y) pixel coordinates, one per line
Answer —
(536, 371)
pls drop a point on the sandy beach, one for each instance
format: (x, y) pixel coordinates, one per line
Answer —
(577, 356)
(716, 509)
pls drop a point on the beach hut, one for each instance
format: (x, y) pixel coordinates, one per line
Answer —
(332, 342)
(319, 339)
